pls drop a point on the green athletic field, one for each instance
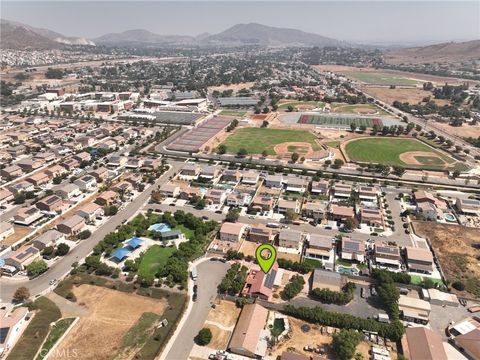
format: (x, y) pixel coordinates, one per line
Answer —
(255, 140)
(381, 78)
(388, 150)
(238, 113)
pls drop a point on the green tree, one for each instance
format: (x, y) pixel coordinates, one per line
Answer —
(36, 268)
(221, 149)
(291, 215)
(295, 157)
(203, 337)
(345, 343)
(232, 215)
(242, 152)
(21, 294)
(62, 249)
(19, 198)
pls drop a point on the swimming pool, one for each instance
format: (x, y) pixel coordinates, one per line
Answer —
(348, 271)
(449, 217)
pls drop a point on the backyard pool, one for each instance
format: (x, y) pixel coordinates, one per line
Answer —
(449, 217)
(348, 271)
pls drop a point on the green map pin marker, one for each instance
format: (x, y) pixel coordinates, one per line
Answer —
(266, 255)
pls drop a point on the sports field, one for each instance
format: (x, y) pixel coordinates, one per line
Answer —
(337, 121)
(228, 112)
(285, 103)
(381, 78)
(358, 109)
(256, 140)
(391, 151)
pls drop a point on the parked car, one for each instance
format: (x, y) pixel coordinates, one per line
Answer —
(362, 292)
(373, 291)
(204, 217)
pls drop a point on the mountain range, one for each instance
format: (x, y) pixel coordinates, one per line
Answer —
(15, 35)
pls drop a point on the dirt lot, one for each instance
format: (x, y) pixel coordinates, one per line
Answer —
(220, 337)
(298, 339)
(462, 131)
(110, 315)
(19, 232)
(234, 87)
(423, 77)
(458, 249)
(225, 313)
(411, 96)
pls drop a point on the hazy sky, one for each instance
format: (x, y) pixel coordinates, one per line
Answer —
(372, 21)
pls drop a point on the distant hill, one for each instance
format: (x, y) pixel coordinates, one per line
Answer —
(18, 37)
(140, 36)
(451, 52)
(253, 33)
(10, 37)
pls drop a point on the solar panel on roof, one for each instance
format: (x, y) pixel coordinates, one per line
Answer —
(352, 245)
(270, 279)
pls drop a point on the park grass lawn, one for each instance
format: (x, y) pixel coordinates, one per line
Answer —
(186, 231)
(256, 140)
(55, 334)
(232, 112)
(333, 144)
(313, 262)
(154, 259)
(385, 150)
(347, 108)
(381, 78)
(285, 103)
(36, 331)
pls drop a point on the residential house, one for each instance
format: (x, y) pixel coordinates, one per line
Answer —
(419, 259)
(249, 338)
(353, 249)
(371, 217)
(107, 198)
(38, 179)
(232, 231)
(170, 190)
(429, 211)
(89, 211)
(100, 174)
(82, 156)
(122, 187)
(422, 196)
(321, 187)
(71, 225)
(49, 238)
(468, 206)
(321, 247)
(190, 171)
(263, 202)
(261, 233)
(70, 164)
(238, 199)
(116, 161)
(315, 210)
(50, 203)
(340, 212)
(29, 164)
(285, 205)
(421, 343)
(189, 192)
(134, 163)
(250, 177)
(86, 183)
(27, 215)
(11, 171)
(368, 194)
(44, 156)
(325, 279)
(22, 186)
(55, 170)
(296, 184)
(210, 172)
(414, 309)
(67, 191)
(215, 196)
(260, 285)
(231, 175)
(6, 196)
(274, 181)
(466, 336)
(387, 255)
(12, 326)
(342, 191)
(290, 238)
(151, 164)
(22, 257)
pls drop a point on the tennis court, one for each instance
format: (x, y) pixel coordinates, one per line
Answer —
(338, 121)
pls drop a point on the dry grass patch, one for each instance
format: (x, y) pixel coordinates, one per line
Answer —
(111, 315)
(220, 337)
(225, 313)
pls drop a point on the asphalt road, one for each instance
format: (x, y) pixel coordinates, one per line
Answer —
(210, 274)
(83, 249)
